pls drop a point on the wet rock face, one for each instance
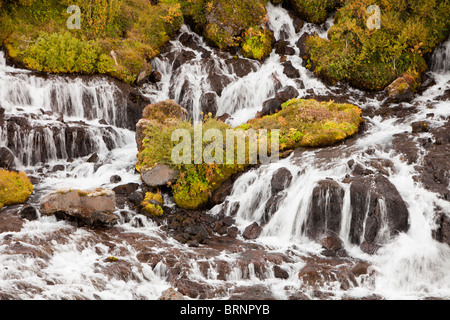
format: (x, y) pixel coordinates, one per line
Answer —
(7, 159)
(93, 208)
(326, 209)
(375, 202)
(159, 175)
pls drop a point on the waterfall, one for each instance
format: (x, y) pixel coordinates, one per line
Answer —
(441, 58)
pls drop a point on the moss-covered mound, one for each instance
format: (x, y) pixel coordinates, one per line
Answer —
(371, 58)
(307, 123)
(15, 188)
(117, 37)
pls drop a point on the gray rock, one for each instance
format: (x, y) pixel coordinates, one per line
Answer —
(159, 176)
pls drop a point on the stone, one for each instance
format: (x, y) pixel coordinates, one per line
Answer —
(208, 103)
(155, 77)
(332, 242)
(401, 90)
(7, 159)
(159, 176)
(115, 178)
(270, 106)
(420, 126)
(29, 213)
(290, 71)
(280, 273)
(94, 208)
(281, 179)
(171, 294)
(375, 201)
(287, 94)
(252, 231)
(326, 209)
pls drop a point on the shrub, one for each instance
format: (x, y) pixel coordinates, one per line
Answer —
(371, 59)
(152, 204)
(15, 188)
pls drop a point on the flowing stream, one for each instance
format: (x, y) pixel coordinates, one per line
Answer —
(53, 122)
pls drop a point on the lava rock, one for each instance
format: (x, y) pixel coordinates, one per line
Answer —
(281, 179)
(7, 159)
(252, 231)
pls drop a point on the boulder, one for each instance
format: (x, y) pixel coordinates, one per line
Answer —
(375, 202)
(159, 176)
(326, 209)
(208, 103)
(93, 208)
(281, 179)
(402, 89)
(171, 294)
(290, 71)
(270, 106)
(7, 159)
(287, 94)
(252, 231)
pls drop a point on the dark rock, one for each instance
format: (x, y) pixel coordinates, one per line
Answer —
(369, 247)
(94, 158)
(326, 209)
(224, 117)
(208, 103)
(287, 94)
(270, 106)
(442, 233)
(232, 232)
(197, 230)
(302, 46)
(420, 126)
(332, 242)
(252, 231)
(7, 159)
(155, 77)
(115, 179)
(290, 71)
(29, 212)
(136, 198)
(280, 273)
(272, 206)
(373, 201)
(126, 189)
(281, 179)
(58, 167)
(241, 67)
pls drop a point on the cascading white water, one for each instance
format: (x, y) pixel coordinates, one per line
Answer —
(242, 97)
(412, 265)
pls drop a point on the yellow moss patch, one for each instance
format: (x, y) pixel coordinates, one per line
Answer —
(15, 188)
(151, 204)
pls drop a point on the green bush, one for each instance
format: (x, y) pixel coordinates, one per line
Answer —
(15, 188)
(371, 59)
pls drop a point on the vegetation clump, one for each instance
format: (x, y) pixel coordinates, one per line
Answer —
(15, 188)
(152, 204)
(307, 123)
(371, 58)
(116, 37)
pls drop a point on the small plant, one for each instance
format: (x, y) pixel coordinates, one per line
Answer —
(15, 188)
(152, 204)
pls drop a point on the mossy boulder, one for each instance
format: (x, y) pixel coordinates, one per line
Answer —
(403, 88)
(15, 188)
(117, 38)
(371, 58)
(152, 204)
(306, 123)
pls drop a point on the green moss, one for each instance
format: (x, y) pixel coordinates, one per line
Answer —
(257, 43)
(305, 123)
(372, 59)
(36, 35)
(15, 188)
(152, 204)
